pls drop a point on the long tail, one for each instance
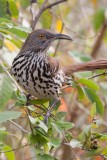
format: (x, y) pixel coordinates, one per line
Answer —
(86, 66)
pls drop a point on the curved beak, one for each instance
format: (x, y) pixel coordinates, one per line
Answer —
(62, 36)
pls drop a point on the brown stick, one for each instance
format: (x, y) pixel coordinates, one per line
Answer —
(99, 40)
(42, 9)
(86, 66)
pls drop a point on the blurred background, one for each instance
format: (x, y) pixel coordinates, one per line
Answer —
(86, 22)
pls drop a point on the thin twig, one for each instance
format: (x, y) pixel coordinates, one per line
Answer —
(102, 74)
(19, 126)
(28, 113)
(42, 9)
(11, 150)
(53, 4)
(7, 72)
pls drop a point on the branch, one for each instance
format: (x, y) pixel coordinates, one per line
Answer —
(86, 66)
(19, 126)
(11, 150)
(7, 72)
(42, 9)
(99, 40)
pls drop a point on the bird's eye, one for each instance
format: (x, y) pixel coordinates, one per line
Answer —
(41, 36)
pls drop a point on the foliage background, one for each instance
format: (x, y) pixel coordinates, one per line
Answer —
(85, 21)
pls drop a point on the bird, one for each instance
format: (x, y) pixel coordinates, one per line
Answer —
(37, 73)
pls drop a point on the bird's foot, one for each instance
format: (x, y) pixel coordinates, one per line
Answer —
(28, 98)
(48, 114)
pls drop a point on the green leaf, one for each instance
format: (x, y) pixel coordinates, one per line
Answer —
(60, 126)
(61, 115)
(15, 31)
(8, 115)
(38, 138)
(93, 110)
(89, 83)
(1, 69)
(100, 136)
(25, 3)
(39, 123)
(99, 18)
(10, 155)
(45, 157)
(46, 19)
(38, 101)
(4, 9)
(55, 142)
(40, 2)
(6, 89)
(93, 97)
(96, 152)
(104, 152)
(80, 93)
(21, 100)
(13, 8)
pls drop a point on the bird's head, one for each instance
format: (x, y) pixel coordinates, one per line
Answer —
(40, 40)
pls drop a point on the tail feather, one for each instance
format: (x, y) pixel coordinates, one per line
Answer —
(86, 66)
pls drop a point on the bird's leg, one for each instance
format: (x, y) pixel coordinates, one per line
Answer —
(50, 110)
(28, 97)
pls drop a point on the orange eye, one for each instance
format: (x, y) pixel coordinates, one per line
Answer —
(41, 36)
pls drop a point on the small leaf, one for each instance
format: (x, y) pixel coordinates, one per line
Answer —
(60, 126)
(46, 19)
(93, 110)
(75, 143)
(80, 93)
(8, 115)
(13, 8)
(89, 83)
(38, 138)
(38, 101)
(61, 115)
(99, 18)
(10, 155)
(25, 3)
(38, 122)
(104, 152)
(100, 136)
(94, 99)
(55, 142)
(21, 100)
(4, 9)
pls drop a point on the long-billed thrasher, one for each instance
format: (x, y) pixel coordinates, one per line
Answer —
(36, 72)
(41, 75)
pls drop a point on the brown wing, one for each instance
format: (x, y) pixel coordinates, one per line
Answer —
(54, 65)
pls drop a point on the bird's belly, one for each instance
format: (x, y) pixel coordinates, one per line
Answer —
(40, 87)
